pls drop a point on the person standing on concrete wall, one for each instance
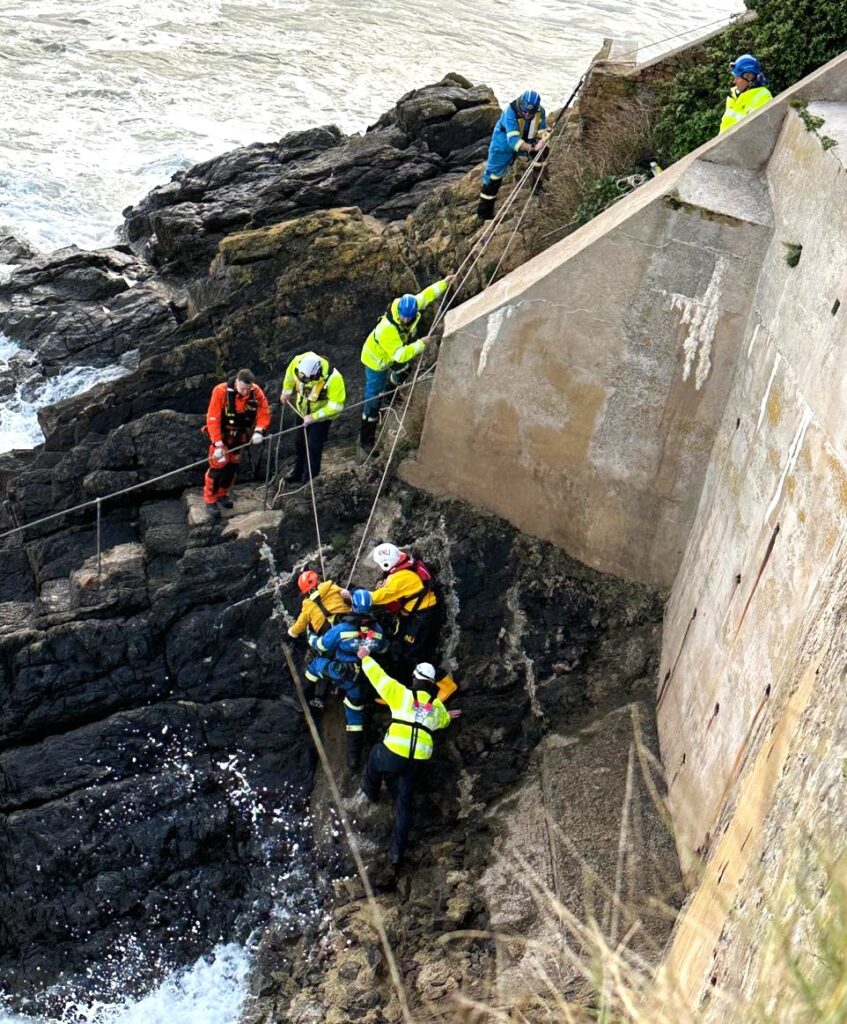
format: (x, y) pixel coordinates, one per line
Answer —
(748, 91)
(521, 129)
(389, 350)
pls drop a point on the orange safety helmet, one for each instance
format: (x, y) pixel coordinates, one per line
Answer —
(308, 580)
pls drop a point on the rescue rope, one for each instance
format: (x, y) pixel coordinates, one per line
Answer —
(93, 502)
(483, 241)
(312, 490)
(350, 836)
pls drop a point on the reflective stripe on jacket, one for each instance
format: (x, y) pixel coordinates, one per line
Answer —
(520, 129)
(413, 717)
(392, 342)
(320, 399)
(248, 413)
(740, 104)
(311, 615)
(403, 584)
(344, 640)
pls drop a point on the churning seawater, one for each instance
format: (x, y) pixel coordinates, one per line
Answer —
(104, 99)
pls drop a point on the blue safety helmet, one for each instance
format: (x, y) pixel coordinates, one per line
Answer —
(407, 307)
(529, 102)
(361, 601)
(747, 64)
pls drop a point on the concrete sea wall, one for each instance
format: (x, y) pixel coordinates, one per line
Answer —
(661, 394)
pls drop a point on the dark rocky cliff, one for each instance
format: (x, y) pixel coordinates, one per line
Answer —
(155, 770)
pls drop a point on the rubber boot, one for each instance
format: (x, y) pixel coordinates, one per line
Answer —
(318, 700)
(367, 433)
(354, 750)
(487, 199)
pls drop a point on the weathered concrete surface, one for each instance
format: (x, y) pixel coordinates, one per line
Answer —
(561, 398)
(773, 506)
(580, 396)
(751, 711)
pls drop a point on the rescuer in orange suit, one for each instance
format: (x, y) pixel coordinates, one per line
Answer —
(238, 412)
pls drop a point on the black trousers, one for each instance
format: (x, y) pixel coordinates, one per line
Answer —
(399, 775)
(315, 435)
(415, 641)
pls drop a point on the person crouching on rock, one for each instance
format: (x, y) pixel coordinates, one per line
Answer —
(521, 129)
(389, 349)
(319, 394)
(415, 715)
(323, 604)
(238, 412)
(337, 661)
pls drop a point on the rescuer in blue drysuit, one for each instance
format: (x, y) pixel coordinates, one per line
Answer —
(519, 130)
(338, 662)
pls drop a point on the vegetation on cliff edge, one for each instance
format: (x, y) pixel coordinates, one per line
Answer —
(791, 38)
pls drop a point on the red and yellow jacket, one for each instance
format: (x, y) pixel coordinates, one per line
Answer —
(403, 591)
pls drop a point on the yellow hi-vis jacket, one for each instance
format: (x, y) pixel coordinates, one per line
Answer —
(405, 583)
(392, 342)
(312, 616)
(740, 104)
(414, 716)
(320, 399)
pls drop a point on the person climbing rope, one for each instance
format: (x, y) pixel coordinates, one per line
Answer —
(415, 715)
(238, 412)
(522, 128)
(389, 349)
(748, 91)
(408, 590)
(319, 394)
(337, 662)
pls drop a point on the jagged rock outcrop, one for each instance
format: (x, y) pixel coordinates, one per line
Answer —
(124, 695)
(13, 250)
(387, 171)
(73, 307)
(133, 688)
(155, 770)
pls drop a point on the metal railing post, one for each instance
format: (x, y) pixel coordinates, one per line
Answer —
(99, 503)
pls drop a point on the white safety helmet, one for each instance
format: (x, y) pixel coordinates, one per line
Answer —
(309, 367)
(424, 672)
(386, 556)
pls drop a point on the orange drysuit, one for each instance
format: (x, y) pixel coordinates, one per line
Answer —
(231, 418)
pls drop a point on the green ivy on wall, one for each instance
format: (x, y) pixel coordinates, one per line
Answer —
(791, 38)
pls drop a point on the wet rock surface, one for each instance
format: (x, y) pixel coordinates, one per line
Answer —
(157, 781)
(386, 172)
(133, 700)
(534, 776)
